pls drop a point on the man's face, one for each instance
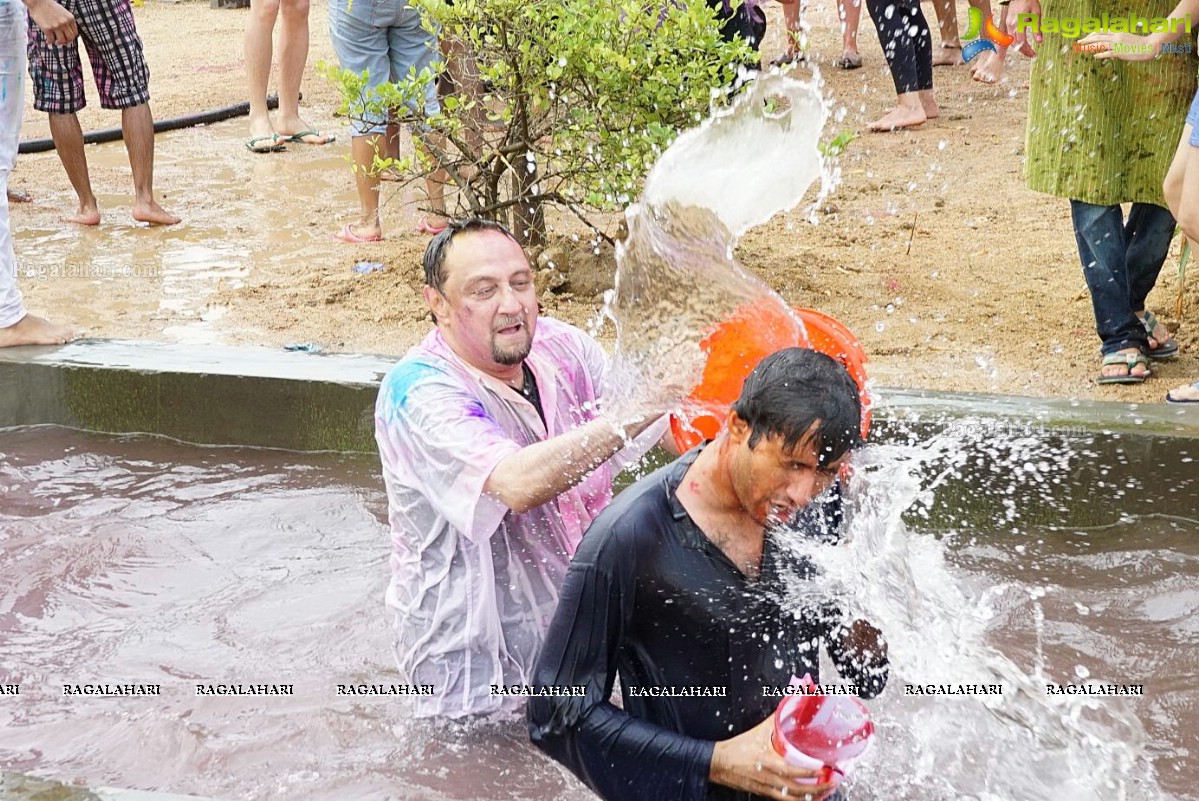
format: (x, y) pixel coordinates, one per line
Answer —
(772, 483)
(487, 309)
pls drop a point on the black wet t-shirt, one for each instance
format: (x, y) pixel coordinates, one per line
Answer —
(648, 595)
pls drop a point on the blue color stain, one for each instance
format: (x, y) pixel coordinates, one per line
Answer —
(404, 376)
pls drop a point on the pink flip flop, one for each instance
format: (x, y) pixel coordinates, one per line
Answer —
(425, 227)
(347, 235)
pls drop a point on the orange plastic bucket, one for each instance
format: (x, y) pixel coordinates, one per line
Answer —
(734, 349)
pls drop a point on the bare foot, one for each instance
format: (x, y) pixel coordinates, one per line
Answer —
(850, 60)
(153, 213)
(88, 214)
(991, 68)
(19, 196)
(33, 330)
(899, 117)
(947, 56)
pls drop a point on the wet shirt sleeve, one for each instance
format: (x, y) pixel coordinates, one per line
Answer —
(621, 757)
(437, 434)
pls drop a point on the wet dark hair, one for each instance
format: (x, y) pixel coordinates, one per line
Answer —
(439, 247)
(796, 390)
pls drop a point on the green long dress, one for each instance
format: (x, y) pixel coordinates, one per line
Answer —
(1105, 131)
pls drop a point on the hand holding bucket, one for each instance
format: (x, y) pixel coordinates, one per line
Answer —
(822, 732)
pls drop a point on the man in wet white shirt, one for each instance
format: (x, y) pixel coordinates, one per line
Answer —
(496, 459)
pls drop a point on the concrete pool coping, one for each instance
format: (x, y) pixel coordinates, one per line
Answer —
(226, 395)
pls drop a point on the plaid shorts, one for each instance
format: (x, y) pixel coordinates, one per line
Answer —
(113, 48)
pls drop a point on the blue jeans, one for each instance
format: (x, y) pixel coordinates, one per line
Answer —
(1121, 262)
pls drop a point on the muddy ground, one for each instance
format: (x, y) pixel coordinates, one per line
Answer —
(952, 273)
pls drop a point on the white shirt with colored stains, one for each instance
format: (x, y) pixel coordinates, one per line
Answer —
(474, 584)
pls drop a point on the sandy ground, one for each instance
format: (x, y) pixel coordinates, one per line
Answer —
(953, 274)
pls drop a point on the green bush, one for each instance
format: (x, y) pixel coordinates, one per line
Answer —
(580, 99)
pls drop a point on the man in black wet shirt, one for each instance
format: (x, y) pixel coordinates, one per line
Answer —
(677, 586)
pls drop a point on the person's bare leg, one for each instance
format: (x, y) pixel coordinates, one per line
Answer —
(908, 111)
(137, 124)
(1180, 187)
(435, 182)
(293, 55)
(68, 142)
(34, 330)
(366, 181)
(1175, 180)
(390, 145)
(950, 51)
(850, 12)
(928, 102)
(791, 29)
(258, 53)
(989, 68)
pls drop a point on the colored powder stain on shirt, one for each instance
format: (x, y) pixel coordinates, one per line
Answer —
(403, 377)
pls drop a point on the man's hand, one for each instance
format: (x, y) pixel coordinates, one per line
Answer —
(55, 21)
(748, 762)
(866, 640)
(1015, 10)
(1134, 47)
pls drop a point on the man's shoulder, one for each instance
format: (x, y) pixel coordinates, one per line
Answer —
(419, 366)
(639, 515)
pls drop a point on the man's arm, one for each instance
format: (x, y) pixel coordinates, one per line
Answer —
(620, 756)
(540, 472)
(55, 21)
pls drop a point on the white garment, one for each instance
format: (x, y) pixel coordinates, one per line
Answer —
(474, 583)
(12, 106)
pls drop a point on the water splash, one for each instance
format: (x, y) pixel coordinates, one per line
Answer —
(677, 280)
(1020, 744)
(750, 162)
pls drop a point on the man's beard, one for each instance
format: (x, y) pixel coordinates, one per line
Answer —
(513, 355)
(516, 354)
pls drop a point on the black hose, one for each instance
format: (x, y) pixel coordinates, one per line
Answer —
(170, 124)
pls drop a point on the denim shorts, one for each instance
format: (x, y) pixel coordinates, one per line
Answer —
(1193, 121)
(385, 38)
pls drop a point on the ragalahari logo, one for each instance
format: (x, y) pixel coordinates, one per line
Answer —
(991, 36)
